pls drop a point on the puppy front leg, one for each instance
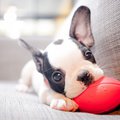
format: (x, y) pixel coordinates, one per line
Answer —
(58, 101)
(64, 104)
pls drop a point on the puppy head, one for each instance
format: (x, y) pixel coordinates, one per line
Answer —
(69, 65)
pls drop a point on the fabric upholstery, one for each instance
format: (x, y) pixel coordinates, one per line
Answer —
(106, 31)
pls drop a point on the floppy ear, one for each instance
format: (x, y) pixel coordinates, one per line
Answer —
(36, 54)
(80, 26)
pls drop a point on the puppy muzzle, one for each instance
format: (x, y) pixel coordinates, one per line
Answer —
(85, 77)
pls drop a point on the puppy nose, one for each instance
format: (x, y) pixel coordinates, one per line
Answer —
(85, 77)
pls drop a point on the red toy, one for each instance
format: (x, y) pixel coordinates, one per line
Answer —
(100, 97)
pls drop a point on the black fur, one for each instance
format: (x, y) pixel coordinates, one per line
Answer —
(85, 77)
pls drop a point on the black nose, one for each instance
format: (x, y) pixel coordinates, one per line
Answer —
(85, 77)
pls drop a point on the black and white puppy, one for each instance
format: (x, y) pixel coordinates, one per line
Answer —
(65, 68)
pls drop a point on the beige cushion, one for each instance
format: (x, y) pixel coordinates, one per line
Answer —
(106, 31)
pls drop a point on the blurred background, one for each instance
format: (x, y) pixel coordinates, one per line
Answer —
(36, 21)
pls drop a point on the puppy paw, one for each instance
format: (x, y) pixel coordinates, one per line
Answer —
(22, 88)
(64, 104)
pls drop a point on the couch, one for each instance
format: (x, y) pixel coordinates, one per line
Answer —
(105, 22)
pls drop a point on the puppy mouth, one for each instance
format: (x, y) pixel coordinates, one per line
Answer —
(85, 78)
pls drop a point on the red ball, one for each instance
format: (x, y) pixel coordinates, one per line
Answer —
(100, 97)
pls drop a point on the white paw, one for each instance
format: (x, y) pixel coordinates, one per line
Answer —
(22, 88)
(64, 104)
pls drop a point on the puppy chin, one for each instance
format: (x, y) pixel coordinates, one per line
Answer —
(73, 93)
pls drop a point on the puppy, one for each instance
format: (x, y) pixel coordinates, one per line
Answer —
(65, 68)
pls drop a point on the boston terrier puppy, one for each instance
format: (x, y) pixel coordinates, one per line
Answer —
(65, 68)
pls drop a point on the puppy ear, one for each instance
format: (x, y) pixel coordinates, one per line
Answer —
(36, 54)
(80, 26)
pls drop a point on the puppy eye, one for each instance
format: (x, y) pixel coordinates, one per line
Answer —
(57, 76)
(88, 54)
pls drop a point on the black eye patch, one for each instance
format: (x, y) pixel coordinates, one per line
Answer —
(55, 77)
(87, 53)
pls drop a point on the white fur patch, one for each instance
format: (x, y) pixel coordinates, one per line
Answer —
(64, 55)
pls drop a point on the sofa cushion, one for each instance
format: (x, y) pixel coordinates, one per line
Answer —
(106, 31)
